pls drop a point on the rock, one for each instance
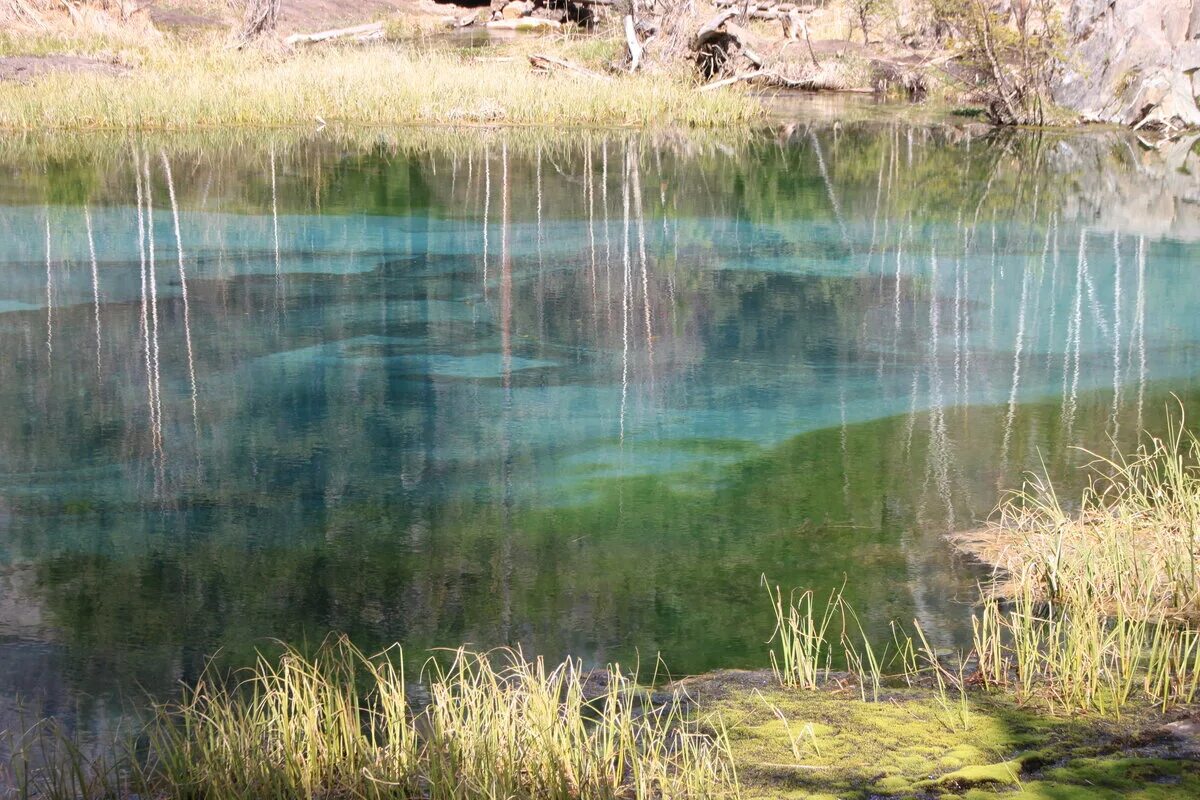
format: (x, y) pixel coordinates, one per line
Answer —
(516, 10)
(1186, 733)
(1132, 62)
(524, 24)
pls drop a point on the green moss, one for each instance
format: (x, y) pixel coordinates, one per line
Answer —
(1004, 773)
(904, 747)
(893, 784)
(1112, 778)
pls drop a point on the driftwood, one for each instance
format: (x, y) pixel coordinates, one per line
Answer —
(547, 62)
(793, 26)
(635, 47)
(75, 15)
(745, 76)
(743, 37)
(261, 18)
(764, 7)
(373, 30)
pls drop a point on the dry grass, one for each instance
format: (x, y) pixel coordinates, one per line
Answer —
(1133, 541)
(341, 724)
(1096, 607)
(1093, 610)
(175, 86)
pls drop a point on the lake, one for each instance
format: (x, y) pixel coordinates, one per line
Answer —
(576, 392)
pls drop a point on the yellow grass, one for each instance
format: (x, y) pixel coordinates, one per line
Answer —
(340, 724)
(1133, 540)
(1097, 603)
(172, 86)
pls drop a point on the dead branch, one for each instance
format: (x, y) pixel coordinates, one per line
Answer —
(712, 28)
(525, 24)
(745, 76)
(545, 62)
(261, 18)
(635, 47)
(373, 30)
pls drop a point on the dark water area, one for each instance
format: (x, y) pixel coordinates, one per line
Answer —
(572, 392)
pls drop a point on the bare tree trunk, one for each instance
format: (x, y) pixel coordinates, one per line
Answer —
(261, 18)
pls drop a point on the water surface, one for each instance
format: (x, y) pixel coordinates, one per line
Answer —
(575, 393)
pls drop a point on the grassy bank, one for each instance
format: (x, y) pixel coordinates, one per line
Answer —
(1130, 544)
(167, 85)
(342, 724)
(486, 727)
(1095, 603)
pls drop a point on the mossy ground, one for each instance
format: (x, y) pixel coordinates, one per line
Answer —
(831, 744)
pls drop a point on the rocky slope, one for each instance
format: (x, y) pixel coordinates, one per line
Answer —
(1133, 62)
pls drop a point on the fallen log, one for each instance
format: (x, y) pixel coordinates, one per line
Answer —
(743, 38)
(546, 62)
(372, 30)
(745, 76)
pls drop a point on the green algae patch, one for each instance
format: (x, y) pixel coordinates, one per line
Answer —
(1110, 778)
(1003, 774)
(830, 743)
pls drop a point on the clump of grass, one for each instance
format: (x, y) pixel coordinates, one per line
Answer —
(342, 724)
(46, 762)
(802, 636)
(1131, 546)
(1082, 656)
(179, 87)
(1093, 608)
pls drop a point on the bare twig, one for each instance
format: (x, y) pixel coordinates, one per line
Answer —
(745, 76)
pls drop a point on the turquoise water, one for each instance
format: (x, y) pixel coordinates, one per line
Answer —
(574, 393)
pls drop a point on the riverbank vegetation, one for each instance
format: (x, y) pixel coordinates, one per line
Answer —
(120, 66)
(1098, 603)
(429, 83)
(608, 63)
(342, 724)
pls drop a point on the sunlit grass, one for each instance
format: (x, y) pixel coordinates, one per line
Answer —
(810, 636)
(341, 724)
(178, 87)
(1096, 607)
(1131, 544)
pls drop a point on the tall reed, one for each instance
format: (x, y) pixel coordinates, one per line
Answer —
(1132, 545)
(802, 636)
